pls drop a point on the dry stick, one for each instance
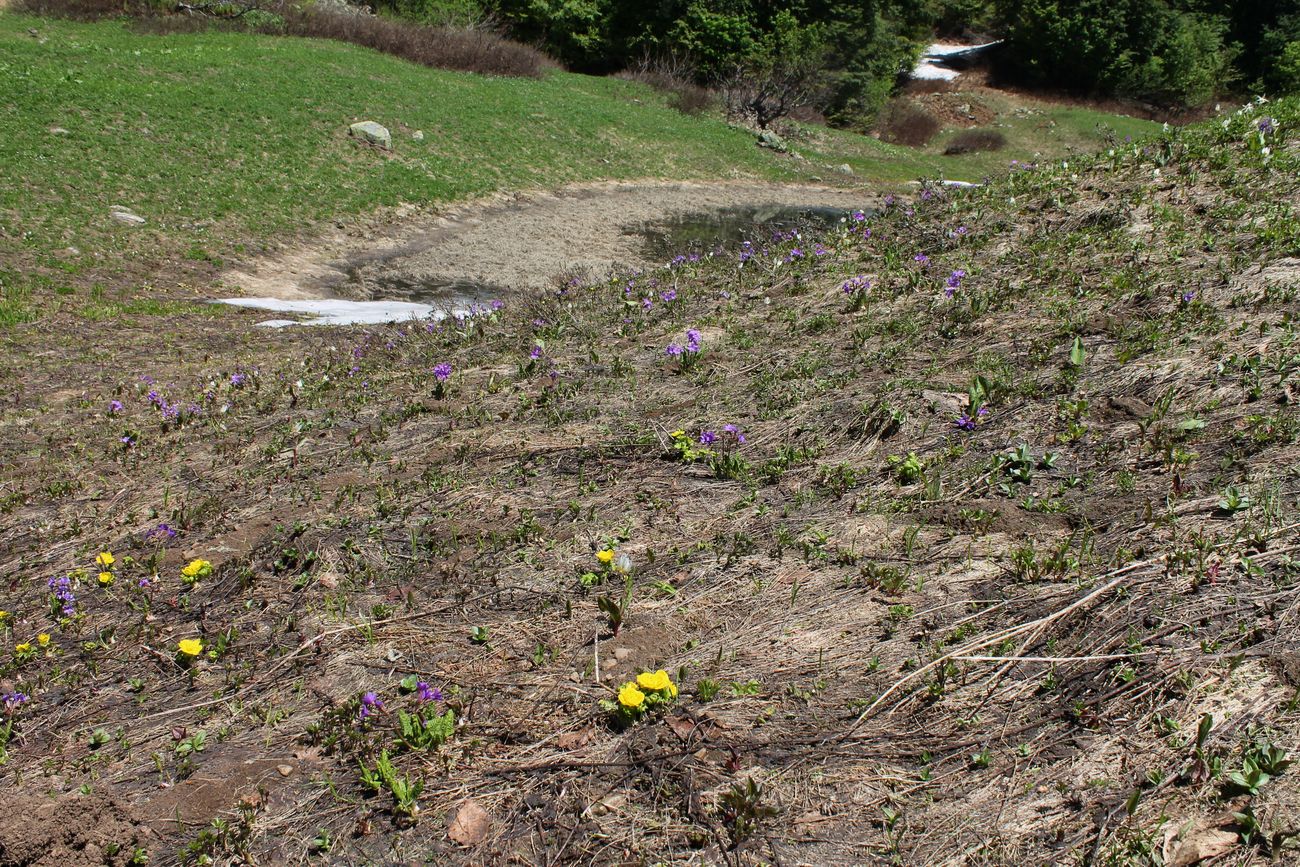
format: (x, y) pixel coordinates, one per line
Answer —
(998, 637)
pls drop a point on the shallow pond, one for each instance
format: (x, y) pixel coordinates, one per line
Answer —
(704, 231)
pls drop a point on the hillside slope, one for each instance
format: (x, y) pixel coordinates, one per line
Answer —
(998, 575)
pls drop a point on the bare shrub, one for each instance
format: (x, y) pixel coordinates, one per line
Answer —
(674, 76)
(467, 49)
(462, 48)
(906, 123)
(970, 141)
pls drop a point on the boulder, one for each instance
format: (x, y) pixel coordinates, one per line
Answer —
(374, 133)
(769, 139)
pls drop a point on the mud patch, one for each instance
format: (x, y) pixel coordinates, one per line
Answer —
(528, 240)
(69, 831)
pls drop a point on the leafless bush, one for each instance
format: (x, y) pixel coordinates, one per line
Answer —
(765, 95)
(463, 48)
(970, 141)
(906, 123)
(674, 76)
(468, 49)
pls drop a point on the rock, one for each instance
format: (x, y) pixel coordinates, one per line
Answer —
(57, 130)
(418, 135)
(375, 134)
(622, 653)
(125, 216)
(844, 169)
(769, 139)
(284, 770)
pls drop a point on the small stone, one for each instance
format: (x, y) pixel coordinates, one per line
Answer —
(844, 169)
(418, 135)
(622, 653)
(125, 216)
(285, 770)
(374, 133)
(58, 130)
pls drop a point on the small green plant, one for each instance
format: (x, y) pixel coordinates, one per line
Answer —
(405, 791)
(907, 468)
(616, 610)
(419, 732)
(743, 810)
(1233, 501)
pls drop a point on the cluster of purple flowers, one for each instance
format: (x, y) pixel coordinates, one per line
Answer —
(692, 346)
(953, 283)
(425, 693)
(668, 295)
(114, 407)
(859, 283)
(11, 701)
(959, 232)
(536, 353)
(967, 422)
(819, 249)
(61, 588)
(370, 703)
(858, 216)
(442, 371)
(1266, 125)
(922, 260)
(161, 533)
(730, 434)
(237, 380)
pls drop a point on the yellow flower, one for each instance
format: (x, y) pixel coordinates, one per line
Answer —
(631, 697)
(4, 615)
(190, 646)
(197, 569)
(25, 647)
(657, 681)
(43, 639)
(678, 434)
(606, 556)
(105, 579)
(105, 559)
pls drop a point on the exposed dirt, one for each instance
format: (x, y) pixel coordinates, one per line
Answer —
(520, 240)
(72, 831)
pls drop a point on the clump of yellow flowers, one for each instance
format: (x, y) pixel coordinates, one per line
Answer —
(637, 698)
(194, 570)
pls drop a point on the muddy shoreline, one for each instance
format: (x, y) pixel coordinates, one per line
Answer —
(518, 241)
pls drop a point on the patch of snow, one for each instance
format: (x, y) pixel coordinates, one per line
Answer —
(933, 63)
(336, 311)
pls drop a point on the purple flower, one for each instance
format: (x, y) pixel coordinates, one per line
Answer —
(442, 371)
(647, 303)
(692, 340)
(61, 588)
(921, 259)
(12, 700)
(161, 532)
(1189, 296)
(734, 431)
(1266, 125)
(668, 295)
(672, 350)
(819, 250)
(114, 407)
(965, 422)
(370, 703)
(128, 441)
(856, 284)
(426, 693)
(497, 304)
(953, 283)
(708, 437)
(237, 379)
(859, 216)
(889, 200)
(536, 353)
